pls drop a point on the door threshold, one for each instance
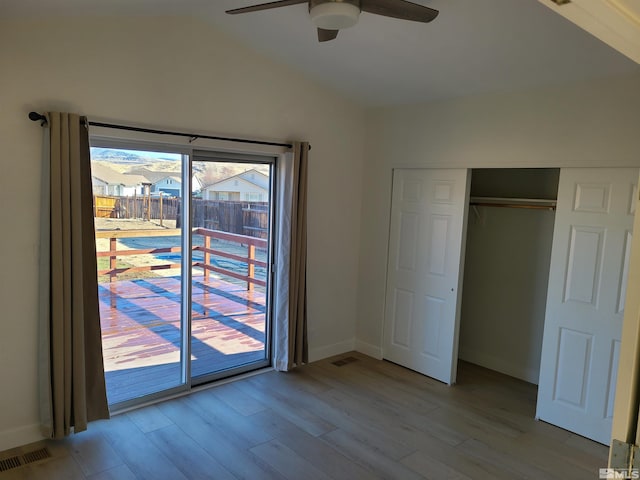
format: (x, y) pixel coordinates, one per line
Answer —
(199, 388)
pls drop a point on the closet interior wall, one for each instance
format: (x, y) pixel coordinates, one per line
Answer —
(506, 272)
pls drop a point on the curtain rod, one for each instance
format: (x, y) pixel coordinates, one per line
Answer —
(35, 116)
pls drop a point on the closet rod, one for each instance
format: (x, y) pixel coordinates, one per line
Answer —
(35, 117)
(534, 204)
(512, 205)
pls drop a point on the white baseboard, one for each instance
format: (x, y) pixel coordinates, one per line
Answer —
(17, 437)
(500, 365)
(327, 351)
(373, 351)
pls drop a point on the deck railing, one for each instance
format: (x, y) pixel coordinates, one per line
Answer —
(251, 243)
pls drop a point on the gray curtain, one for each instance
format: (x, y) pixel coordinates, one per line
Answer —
(290, 326)
(72, 386)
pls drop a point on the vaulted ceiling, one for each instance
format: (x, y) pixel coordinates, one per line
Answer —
(474, 46)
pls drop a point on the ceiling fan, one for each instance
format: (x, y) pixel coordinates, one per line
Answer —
(332, 15)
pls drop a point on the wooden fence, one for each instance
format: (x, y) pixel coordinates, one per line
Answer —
(104, 207)
(242, 218)
(140, 207)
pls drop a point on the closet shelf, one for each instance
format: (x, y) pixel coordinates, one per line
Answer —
(532, 203)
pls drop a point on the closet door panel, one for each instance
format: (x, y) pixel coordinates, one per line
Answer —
(402, 318)
(624, 279)
(583, 271)
(407, 247)
(613, 377)
(429, 331)
(573, 371)
(440, 233)
(585, 299)
(426, 239)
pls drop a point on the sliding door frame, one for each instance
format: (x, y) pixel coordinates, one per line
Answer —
(214, 155)
(185, 301)
(189, 155)
(187, 268)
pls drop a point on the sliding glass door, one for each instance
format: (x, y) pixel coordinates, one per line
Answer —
(140, 274)
(183, 247)
(231, 218)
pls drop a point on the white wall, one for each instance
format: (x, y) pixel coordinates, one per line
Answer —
(167, 73)
(592, 124)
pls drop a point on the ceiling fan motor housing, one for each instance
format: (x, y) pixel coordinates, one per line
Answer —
(334, 14)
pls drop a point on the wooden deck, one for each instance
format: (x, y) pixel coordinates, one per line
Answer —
(141, 332)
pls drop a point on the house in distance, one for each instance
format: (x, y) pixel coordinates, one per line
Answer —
(249, 186)
(107, 181)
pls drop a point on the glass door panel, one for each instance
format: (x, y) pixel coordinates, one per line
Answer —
(231, 218)
(137, 207)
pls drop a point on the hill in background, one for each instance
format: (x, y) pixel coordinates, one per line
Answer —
(137, 162)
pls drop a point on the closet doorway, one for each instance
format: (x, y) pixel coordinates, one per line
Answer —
(506, 271)
(544, 285)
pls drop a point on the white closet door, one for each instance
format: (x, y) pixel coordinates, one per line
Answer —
(428, 220)
(585, 300)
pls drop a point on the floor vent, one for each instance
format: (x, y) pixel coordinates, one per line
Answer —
(18, 461)
(36, 455)
(344, 361)
(10, 463)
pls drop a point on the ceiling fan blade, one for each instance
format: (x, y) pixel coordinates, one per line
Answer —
(265, 6)
(326, 35)
(399, 9)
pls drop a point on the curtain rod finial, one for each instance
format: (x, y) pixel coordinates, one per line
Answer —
(35, 116)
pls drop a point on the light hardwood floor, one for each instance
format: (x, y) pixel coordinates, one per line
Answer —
(364, 420)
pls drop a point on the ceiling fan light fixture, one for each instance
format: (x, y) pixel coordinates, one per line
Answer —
(334, 15)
